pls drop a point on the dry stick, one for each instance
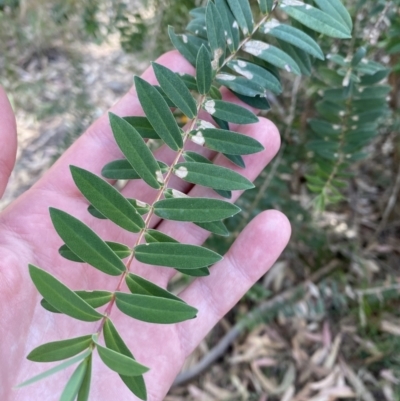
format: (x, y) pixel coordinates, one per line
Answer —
(251, 318)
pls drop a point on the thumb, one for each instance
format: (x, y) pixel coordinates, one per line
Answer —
(8, 140)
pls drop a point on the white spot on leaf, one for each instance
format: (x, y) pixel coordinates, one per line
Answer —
(178, 194)
(181, 172)
(226, 77)
(160, 177)
(185, 38)
(210, 106)
(198, 138)
(204, 124)
(255, 47)
(140, 204)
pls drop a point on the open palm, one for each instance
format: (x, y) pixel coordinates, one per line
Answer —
(27, 236)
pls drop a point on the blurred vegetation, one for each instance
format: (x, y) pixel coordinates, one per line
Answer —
(360, 232)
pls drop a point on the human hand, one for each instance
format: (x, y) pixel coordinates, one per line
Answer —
(27, 236)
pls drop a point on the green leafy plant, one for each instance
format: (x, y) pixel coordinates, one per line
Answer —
(228, 49)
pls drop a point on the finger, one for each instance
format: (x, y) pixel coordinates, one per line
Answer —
(8, 140)
(268, 135)
(251, 256)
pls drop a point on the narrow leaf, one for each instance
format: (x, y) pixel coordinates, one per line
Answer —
(315, 19)
(159, 113)
(272, 55)
(94, 298)
(119, 170)
(240, 85)
(215, 227)
(176, 90)
(54, 370)
(83, 394)
(180, 256)
(255, 72)
(231, 30)
(107, 200)
(140, 286)
(230, 142)
(203, 71)
(121, 250)
(337, 10)
(122, 364)
(136, 151)
(202, 272)
(212, 176)
(181, 43)
(199, 210)
(85, 243)
(153, 309)
(74, 383)
(114, 342)
(229, 112)
(257, 102)
(215, 33)
(143, 127)
(157, 236)
(242, 11)
(292, 35)
(236, 159)
(59, 350)
(61, 297)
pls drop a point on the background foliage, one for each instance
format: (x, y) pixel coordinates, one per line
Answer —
(332, 301)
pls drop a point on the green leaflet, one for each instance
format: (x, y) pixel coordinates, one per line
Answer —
(236, 159)
(61, 297)
(141, 207)
(83, 394)
(120, 363)
(153, 309)
(229, 142)
(157, 236)
(232, 34)
(107, 200)
(114, 342)
(229, 112)
(293, 36)
(315, 19)
(337, 10)
(203, 71)
(302, 59)
(143, 126)
(215, 227)
(121, 250)
(215, 33)
(140, 286)
(59, 350)
(189, 81)
(199, 210)
(244, 17)
(257, 102)
(195, 157)
(180, 256)
(94, 298)
(136, 151)
(240, 85)
(272, 55)
(159, 113)
(74, 383)
(119, 170)
(56, 369)
(177, 91)
(266, 5)
(85, 243)
(255, 72)
(182, 44)
(122, 170)
(212, 176)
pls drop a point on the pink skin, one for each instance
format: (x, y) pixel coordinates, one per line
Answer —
(27, 236)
